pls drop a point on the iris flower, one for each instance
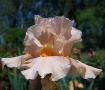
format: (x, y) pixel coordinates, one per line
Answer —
(48, 46)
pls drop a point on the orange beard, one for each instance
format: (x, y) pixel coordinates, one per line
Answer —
(45, 51)
(48, 51)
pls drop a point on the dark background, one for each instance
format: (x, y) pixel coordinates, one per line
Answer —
(17, 15)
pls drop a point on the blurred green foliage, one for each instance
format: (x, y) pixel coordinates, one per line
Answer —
(13, 80)
(14, 39)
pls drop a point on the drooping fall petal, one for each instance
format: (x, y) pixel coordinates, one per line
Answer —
(84, 70)
(15, 61)
(57, 66)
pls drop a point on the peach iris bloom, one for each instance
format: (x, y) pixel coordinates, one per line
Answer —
(48, 44)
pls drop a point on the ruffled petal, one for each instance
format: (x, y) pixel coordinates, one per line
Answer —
(56, 32)
(76, 35)
(14, 61)
(91, 72)
(30, 73)
(84, 70)
(57, 66)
